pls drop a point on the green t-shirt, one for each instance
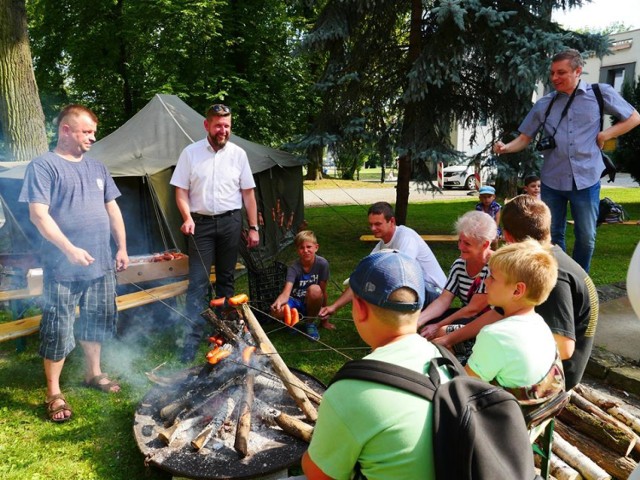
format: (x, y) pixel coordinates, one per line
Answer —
(388, 431)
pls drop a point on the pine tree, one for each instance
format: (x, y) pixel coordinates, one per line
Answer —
(413, 69)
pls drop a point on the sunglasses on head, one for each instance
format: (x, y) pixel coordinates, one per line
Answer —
(219, 109)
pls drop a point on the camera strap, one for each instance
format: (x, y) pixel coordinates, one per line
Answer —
(564, 110)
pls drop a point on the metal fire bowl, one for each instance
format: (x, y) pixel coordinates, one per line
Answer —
(282, 452)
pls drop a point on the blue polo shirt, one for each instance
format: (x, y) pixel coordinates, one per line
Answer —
(576, 156)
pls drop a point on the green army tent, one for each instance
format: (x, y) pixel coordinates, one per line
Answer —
(141, 156)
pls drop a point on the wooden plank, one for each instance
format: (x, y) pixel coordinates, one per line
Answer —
(30, 325)
(626, 222)
(426, 238)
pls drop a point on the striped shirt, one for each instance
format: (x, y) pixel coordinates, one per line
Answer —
(464, 286)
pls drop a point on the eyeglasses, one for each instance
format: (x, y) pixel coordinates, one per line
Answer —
(219, 109)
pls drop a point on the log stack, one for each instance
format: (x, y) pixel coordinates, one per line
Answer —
(595, 437)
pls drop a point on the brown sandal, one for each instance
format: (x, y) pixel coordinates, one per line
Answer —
(103, 387)
(52, 411)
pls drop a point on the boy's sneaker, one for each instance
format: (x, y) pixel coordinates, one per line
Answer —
(312, 331)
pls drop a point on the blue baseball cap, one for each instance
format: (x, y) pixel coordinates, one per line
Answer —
(487, 190)
(380, 274)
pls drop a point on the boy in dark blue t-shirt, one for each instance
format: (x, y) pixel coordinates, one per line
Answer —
(305, 287)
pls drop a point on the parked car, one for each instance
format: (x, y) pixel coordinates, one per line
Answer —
(460, 173)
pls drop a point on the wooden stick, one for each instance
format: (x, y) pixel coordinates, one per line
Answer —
(612, 407)
(615, 465)
(584, 404)
(229, 335)
(616, 439)
(293, 385)
(291, 425)
(244, 418)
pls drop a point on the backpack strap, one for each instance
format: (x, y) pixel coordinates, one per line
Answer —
(400, 377)
(596, 91)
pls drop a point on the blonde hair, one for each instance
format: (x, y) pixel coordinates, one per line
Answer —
(305, 236)
(478, 226)
(530, 263)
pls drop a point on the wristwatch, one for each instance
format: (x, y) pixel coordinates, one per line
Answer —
(254, 227)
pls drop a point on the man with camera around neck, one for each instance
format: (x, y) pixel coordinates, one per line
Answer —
(571, 142)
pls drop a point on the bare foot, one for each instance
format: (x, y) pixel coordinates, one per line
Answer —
(328, 325)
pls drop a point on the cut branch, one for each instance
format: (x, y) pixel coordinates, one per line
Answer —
(293, 385)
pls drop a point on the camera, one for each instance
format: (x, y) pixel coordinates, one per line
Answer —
(546, 143)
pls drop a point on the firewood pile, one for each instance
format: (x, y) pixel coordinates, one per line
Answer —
(226, 418)
(595, 438)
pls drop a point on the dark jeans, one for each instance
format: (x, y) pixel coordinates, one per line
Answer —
(584, 206)
(214, 242)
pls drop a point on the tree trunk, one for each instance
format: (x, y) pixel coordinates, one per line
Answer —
(314, 167)
(410, 121)
(21, 114)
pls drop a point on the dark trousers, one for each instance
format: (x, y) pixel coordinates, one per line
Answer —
(214, 242)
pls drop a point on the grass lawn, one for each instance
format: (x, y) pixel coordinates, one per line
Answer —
(98, 443)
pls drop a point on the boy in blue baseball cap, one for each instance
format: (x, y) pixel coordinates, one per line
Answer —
(358, 420)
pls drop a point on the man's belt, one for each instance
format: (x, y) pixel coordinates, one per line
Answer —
(199, 216)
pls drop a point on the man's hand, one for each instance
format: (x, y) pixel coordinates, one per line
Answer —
(79, 256)
(188, 227)
(326, 312)
(429, 332)
(253, 239)
(122, 260)
(499, 148)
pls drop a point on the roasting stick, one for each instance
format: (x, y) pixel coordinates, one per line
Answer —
(299, 331)
(292, 384)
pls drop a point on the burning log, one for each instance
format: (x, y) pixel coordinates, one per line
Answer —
(294, 386)
(287, 423)
(168, 435)
(244, 418)
(216, 423)
(616, 439)
(186, 405)
(224, 329)
(612, 407)
(612, 464)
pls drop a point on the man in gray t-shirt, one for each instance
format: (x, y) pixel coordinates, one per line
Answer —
(72, 203)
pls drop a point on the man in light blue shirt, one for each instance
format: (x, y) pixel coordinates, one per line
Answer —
(571, 144)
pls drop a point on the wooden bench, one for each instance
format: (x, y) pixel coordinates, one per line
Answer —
(626, 222)
(27, 326)
(426, 238)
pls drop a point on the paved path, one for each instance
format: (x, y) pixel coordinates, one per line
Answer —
(367, 196)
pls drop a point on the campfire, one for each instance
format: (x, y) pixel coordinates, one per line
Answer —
(240, 415)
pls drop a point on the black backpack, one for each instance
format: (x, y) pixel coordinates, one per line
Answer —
(479, 429)
(610, 212)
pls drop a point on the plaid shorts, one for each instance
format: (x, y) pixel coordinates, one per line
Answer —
(96, 322)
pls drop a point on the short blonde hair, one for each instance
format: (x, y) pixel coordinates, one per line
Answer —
(478, 226)
(530, 263)
(305, 236)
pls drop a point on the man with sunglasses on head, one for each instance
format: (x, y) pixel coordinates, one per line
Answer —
(571, 142)
(213, 180)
